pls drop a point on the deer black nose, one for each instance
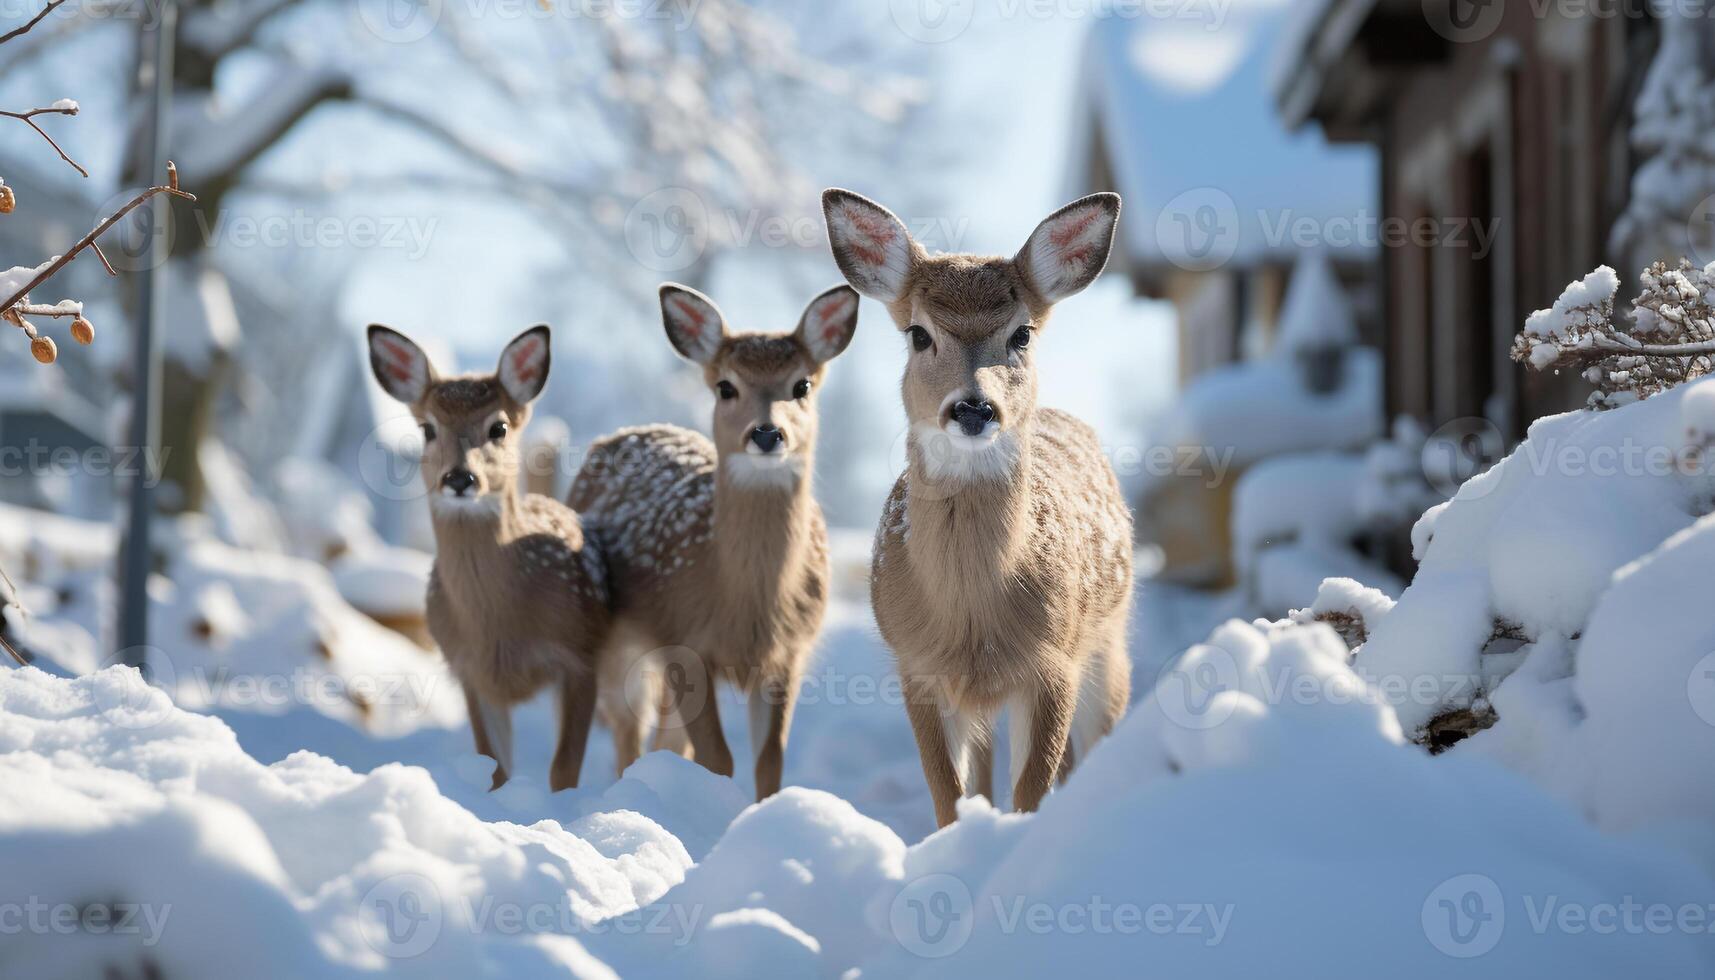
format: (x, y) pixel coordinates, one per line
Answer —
(973, 417)
(458, 480)
(767, 437)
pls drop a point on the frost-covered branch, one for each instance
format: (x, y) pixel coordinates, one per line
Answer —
(1671, 338)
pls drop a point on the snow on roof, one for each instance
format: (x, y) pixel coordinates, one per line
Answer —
(1261, 408)
(1208, 171)
(1317, 312)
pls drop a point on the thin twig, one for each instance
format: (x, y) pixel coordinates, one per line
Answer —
(21, 31)
(93, 247)
(26, 118)
(11, 590)
(15, 654)
(89, 239)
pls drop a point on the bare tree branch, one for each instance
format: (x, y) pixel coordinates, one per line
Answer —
(33, 21)
(48, 272)
(28, 119)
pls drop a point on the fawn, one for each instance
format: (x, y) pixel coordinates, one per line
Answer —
(518, 597)
(1002, 567)
(718, 552)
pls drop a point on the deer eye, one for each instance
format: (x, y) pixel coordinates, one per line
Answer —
(801, 390)
(919, 339)
(428, 431)
(726, 390)
(497, 431)
(1020, 338)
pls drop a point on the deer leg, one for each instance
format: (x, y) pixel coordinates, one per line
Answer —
(577, 696)
(495, 721)
(477, 729)
(695, 708)
(980, 768)
(924, 710)
(1040, 727)
(771, 705)
(627, 702)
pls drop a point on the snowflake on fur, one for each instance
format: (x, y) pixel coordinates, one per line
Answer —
(1670, 339)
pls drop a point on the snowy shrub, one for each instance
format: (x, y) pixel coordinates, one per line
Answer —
(1556, 621)
(1671, 338)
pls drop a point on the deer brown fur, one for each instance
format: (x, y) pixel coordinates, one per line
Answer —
(1002, 569)
(718, 550)
(518, 597)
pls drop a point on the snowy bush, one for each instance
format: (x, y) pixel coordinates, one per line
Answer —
(1556, 623)
(1671, 338)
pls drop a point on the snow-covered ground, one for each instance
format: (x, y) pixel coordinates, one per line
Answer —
(1261, 805)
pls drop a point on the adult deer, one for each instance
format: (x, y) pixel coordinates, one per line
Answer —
(718, 551)
(518, 598)
(1002, 567)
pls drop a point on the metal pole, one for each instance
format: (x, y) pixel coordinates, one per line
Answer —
(136, 559)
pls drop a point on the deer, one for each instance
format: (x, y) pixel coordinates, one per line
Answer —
(1002, 570)
(717, 549)
(518, 595)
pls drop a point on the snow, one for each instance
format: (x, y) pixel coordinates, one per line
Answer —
(384, 580)
(1153, 855)
(1317, 312)
(1194, 202)
(1571, 313)
(1533, 542)
(1261, 408)
(13, 280)
(65, 105)
(1697, 414)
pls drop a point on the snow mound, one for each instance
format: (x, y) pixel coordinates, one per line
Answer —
(218, 865)
(1523, 551)
(1175, 848)
(1259, 800)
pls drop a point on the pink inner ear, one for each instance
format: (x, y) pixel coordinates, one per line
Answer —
(401, 360)
(878, 230)
(523, 360)
(828, 315)
(1071, 227)
(693, 319)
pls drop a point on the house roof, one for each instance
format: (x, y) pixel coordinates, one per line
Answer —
(1184, 116)
(1338, 58)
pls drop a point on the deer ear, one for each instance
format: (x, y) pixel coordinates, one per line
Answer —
(873, 248)
(828, 323)
(1069, 248)
(523, 367)
(694, 323)
(399, 364)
